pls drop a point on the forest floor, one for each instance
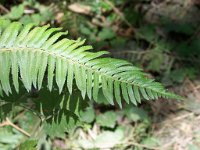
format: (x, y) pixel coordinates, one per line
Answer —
(180, 127)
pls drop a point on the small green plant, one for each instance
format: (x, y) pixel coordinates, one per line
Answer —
(36, 58)
(37, 13)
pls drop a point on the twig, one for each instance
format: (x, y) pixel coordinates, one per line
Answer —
(116, 10)
(4, 9)
(194, 89)
(182, 117)
(131, 52)
(143, 146)
(5, 123)
(150, 50)
(9, 123)
(126, 145)
(34, 112)
(168, 123)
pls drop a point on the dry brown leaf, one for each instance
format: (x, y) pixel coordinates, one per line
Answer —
(59, 17)
(79, 8)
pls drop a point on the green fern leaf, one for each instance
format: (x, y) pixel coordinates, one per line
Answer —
(28, 52)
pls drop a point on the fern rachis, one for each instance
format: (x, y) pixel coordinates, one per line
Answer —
(27, 52)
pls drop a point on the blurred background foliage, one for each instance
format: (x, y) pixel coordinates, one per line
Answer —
(160, 36)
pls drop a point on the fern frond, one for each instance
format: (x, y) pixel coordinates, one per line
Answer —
(27, 52)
